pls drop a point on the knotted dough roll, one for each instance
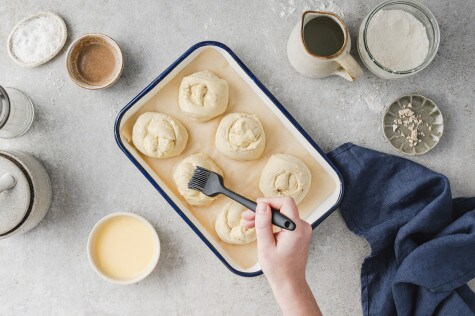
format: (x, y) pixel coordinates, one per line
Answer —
(285, 175)
(203, 95)
(183, 173)
(240, 136)
(230, 226)
(158, 135)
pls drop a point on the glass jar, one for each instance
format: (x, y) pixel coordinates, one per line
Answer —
(16, 113)
(421, 13)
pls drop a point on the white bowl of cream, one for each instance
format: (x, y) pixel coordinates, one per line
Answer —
(123, 248)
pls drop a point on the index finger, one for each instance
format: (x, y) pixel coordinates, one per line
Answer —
(286, 205)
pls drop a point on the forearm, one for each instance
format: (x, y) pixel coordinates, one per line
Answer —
(295, 298)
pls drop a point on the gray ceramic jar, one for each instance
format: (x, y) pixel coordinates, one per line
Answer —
(25, 193)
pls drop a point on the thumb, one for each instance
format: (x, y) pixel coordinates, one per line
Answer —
(265, 235)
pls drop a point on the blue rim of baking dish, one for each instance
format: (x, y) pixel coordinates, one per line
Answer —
(269, 95)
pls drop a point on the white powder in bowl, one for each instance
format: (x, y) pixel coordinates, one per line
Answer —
(397, 40)
(37, 39)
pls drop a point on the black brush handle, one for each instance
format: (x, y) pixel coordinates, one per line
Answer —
(278, 219)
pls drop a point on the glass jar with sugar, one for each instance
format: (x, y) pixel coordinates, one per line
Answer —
(16, 113)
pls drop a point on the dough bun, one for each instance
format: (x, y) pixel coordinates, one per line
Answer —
(203, 96)
(240, 136)
(285, 175)
(159, 135)
(230, 226)
(183, 173)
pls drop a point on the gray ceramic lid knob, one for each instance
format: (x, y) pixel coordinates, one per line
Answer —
(7, 181)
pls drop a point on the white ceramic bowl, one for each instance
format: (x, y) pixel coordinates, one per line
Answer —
(146, 272)
(64, 35)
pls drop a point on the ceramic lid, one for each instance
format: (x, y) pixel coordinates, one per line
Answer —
(4, 106)
(15, 202)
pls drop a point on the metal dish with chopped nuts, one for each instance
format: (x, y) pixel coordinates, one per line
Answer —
(413, 124)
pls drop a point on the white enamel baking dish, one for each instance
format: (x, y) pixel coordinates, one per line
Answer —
(315, 217)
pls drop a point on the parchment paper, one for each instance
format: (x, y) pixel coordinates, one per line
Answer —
(240, 176)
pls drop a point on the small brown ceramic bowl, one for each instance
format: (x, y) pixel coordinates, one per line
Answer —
(94, 61)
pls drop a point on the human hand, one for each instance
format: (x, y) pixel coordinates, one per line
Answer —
(283, 255)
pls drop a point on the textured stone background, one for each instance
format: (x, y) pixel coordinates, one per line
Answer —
(46, 271)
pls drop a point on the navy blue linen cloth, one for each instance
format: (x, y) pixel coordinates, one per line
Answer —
(422, 241)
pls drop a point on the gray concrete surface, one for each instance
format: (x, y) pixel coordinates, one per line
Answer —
(46, 271)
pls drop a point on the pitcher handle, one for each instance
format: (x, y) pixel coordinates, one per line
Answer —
(350, 70)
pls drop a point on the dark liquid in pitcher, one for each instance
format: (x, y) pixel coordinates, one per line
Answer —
(323, 36)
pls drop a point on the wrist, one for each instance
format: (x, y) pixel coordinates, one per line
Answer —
(288, 285)
(295, 297)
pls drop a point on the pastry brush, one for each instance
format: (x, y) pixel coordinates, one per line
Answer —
(211, 184)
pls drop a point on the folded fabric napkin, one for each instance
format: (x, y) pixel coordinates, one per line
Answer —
(422, 241)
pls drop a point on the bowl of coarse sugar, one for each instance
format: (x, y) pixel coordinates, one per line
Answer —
(37, 39)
